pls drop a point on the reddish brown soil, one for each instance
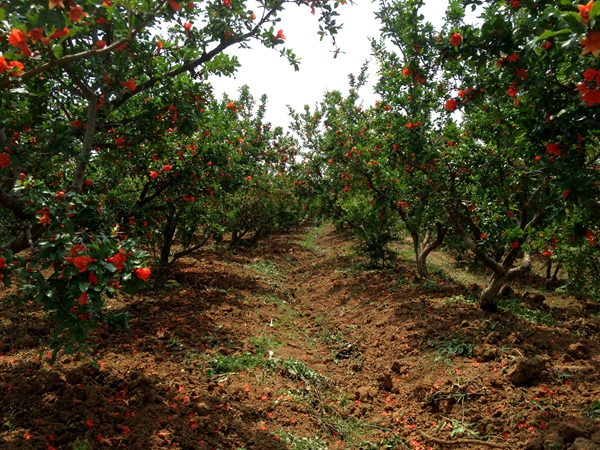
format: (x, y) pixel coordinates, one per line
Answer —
(384, 342)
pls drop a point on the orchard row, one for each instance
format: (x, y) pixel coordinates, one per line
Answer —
(117, 160)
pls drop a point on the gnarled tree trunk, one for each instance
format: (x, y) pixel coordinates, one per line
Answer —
(424, 248)
(503, 270)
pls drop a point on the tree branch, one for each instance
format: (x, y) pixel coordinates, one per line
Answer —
(81, 55)
(468, 442)
(489, 262)
(187, 251)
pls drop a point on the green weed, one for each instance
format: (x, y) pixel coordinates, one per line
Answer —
(81, 445)
(309, 240)
(453, 347)
(265, 343)
(328, 336)
(429, 285)
(395, 442)
(228, 364)
(469, 299)
(461, 428)
(531, 315)
(300, 442)
(593, 410)
(266, 268)
(296, 369)
(9, 418)
(174, 342)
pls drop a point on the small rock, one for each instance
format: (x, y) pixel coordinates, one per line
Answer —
(525, 371)
(94, 399)
(202, 409)
(27, 342)
(534, 444)
(596, 437)
(385, 382)
(74, 377)
(554, 439)
(570, 432)
(65, 416)
(362, 393)
(579, 351)
(584, 444)
(485, 352)
(23, 387)
(497, 383)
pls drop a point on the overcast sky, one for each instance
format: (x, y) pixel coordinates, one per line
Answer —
(266, 72)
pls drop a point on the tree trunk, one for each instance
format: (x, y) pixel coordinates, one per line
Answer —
(550, 277)
(21, 242)
(422, 266)
(487, 299)
(420, 259)
(162, 270)
(421, 254)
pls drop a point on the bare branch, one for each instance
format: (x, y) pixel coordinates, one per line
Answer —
(489, 262)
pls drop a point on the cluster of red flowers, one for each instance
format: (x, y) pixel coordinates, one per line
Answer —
(591, 43)
(585, 10)
(412, 125)
(513, 89)
(418, 78)
(79, 261)
(44, 216)
(589, 94)
(118, 260)
(4, 160)
(18, 39)
(13, 67)
(231, 106)
(456, 39)
(130, 84)
(590, 237)
(450, 104)
(142, 273)
(554, 149)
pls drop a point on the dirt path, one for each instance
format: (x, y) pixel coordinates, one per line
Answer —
(294, 345)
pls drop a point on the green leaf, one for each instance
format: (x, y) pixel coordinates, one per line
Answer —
(595, 10)
(551, 33)
(84, 285)
(108, 266)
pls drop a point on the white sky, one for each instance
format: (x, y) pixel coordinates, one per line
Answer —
(268, 73)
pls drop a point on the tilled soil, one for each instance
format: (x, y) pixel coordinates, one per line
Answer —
(293, 344)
